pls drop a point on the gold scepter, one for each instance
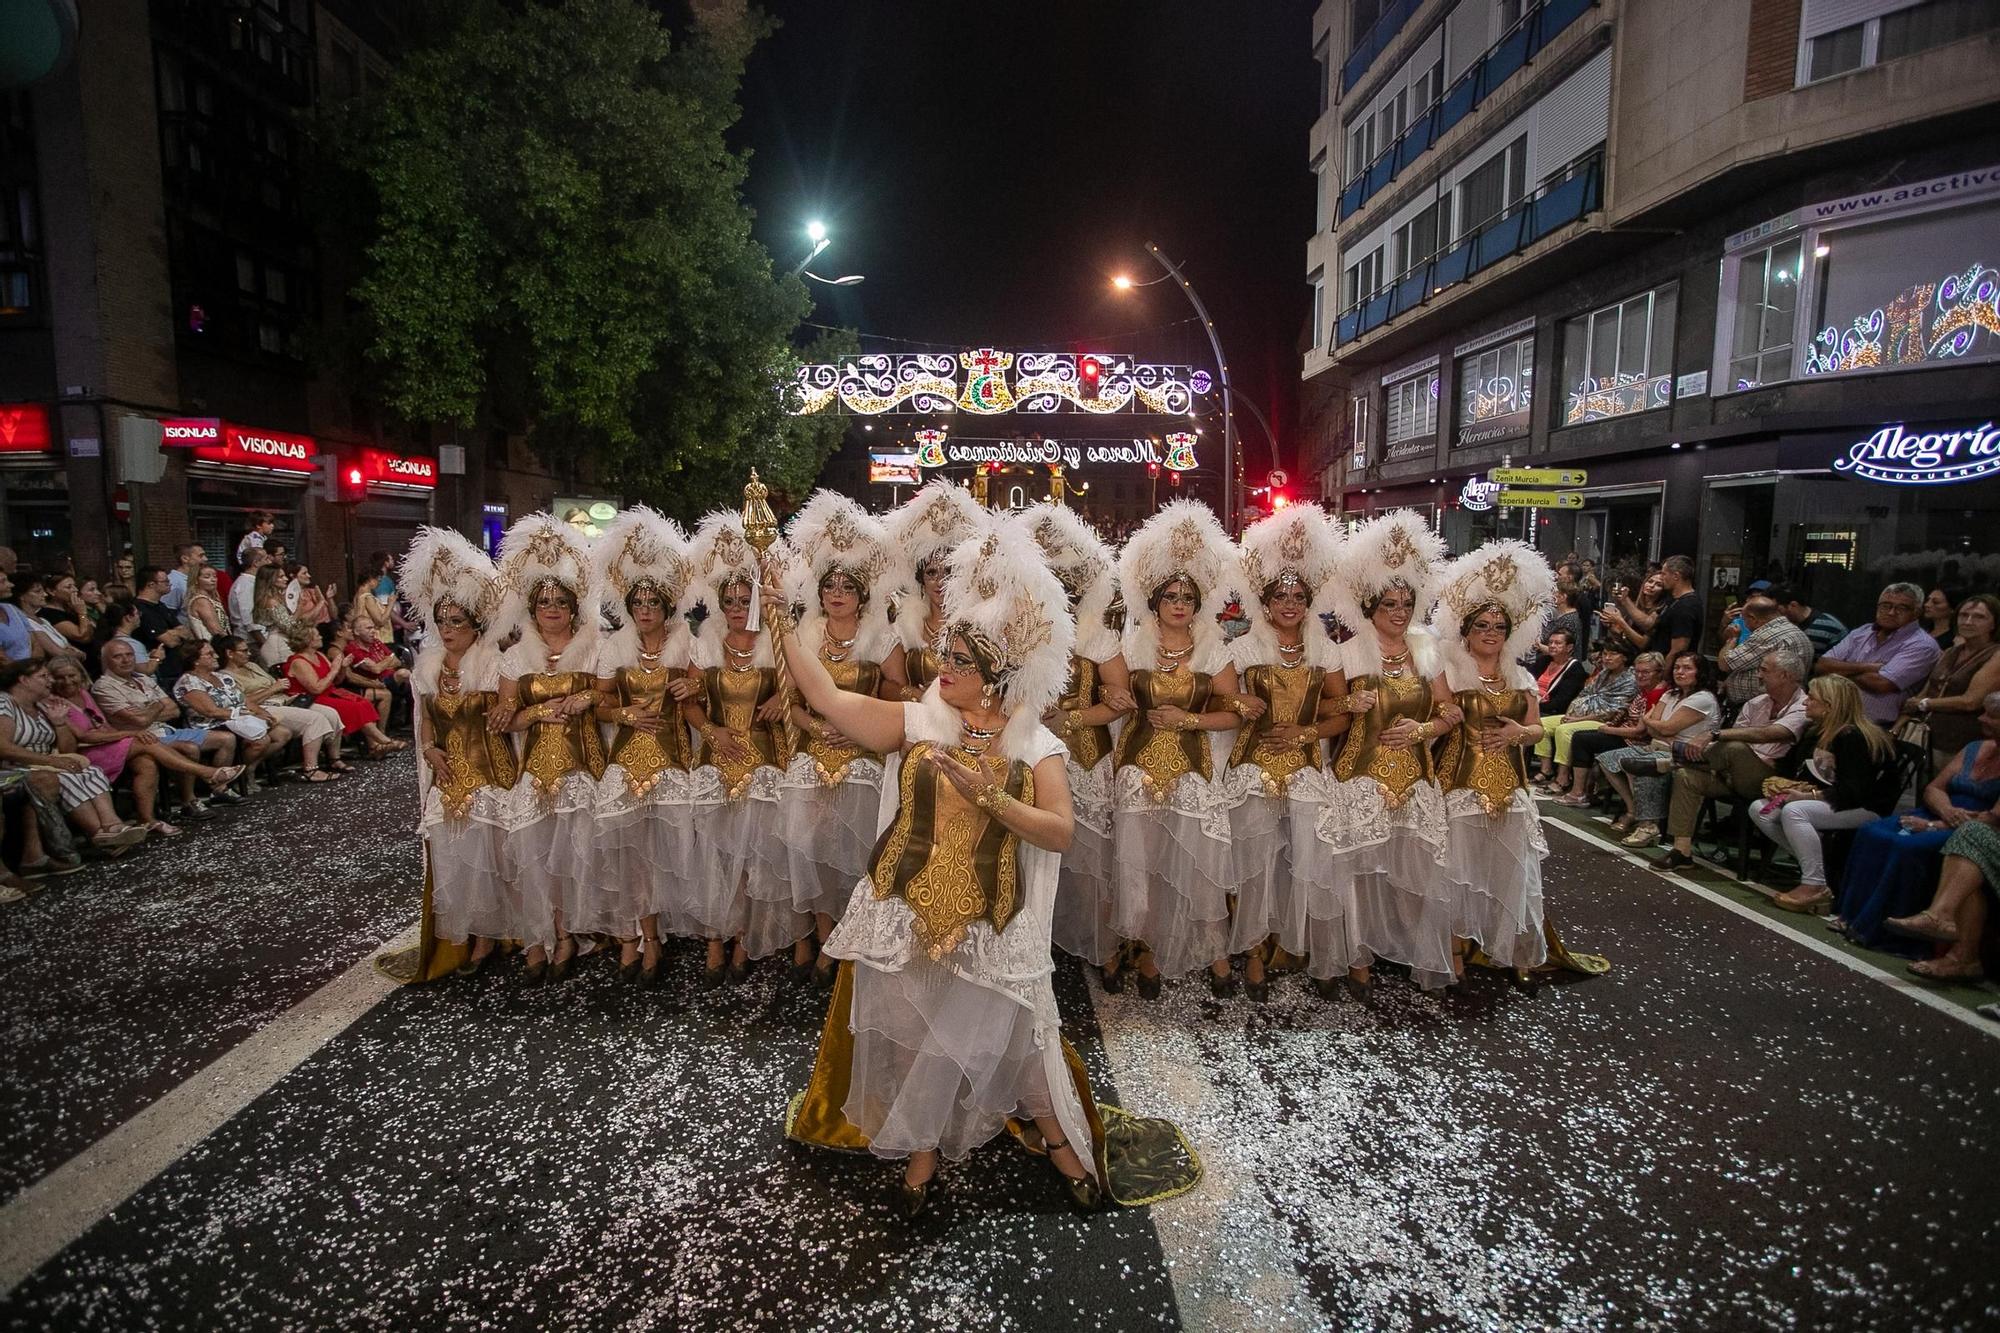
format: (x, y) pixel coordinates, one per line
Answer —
(760, 530)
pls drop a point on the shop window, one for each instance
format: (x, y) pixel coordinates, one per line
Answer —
(1912, 291)
(1620, 359)
(1903, 30)
(1496, 391)
(1766, 308)
(1410, 409)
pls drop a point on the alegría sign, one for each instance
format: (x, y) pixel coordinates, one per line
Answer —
(1928, 458)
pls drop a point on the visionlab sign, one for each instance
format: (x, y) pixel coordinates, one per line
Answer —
(1903, 457)
(232, 445)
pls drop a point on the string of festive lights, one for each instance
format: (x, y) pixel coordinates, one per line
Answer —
(978, 382)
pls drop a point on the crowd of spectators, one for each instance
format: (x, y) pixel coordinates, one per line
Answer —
(133, 705)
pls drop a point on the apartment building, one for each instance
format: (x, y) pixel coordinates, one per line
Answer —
(1735, 259)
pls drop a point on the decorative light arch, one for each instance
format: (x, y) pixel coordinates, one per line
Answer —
(987, 382)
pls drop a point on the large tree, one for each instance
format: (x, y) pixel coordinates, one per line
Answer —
(556, 242)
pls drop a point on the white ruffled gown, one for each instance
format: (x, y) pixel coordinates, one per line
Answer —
(472, 891)
(647, 862)
(1082, 926)
(1494, 843)
(552, 837)
(832, 794)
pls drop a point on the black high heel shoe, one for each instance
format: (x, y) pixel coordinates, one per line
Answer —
(1149, 987)
(537, 971)
(1258, 991)
(1084, 1191)
(1327, 988)
(649, 977)
(1113, 982)
(628, 973)
(474, 965)
(1222, 985)
(823, 976)
(738, 973)
(1362, 991)
(911, 1200)
(559, 968)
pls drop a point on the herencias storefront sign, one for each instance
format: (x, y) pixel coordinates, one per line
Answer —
(1903, 457)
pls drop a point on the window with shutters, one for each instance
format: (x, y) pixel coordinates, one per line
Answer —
(1620, 359)
(1361, 278)
(1840, 36)
(1409, 411)
(1415, 241)
(1493, 187)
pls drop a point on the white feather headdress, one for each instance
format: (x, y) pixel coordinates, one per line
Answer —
(832, 533)
(999, 591)
(1396, 549)
(925, 528)
(1183, 540)
(1301, 545)
(718, 555)
(541, 549)
(1510, 575)
(640, 548)
(1083, 564)
(444, 566)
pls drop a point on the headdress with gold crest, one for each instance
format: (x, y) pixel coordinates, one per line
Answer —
(1297, 546)
(1001, 596)
(1509, 575)
(717, 556)
(832, 534)
(926, 528)
(443, 566)
(540, 550)
(1183, 540)
(640, 549)
(1396, 549)
(1083, 564)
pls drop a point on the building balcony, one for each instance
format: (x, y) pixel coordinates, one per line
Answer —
(1376, 40)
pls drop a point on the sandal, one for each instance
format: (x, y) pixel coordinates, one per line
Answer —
(224, 776)
(1084, 1191)
(1816, 903)
(317, 775)
(1924, 926)
(164, 829)
(1937, 969)
(340, 766)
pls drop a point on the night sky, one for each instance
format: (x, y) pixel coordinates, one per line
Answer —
(988, 167)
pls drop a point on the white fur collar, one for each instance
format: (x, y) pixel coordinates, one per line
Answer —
(1461, 674)
(1259, 645)
(706, 650)
(1362, 655)
(932, 719)
(478, 670)
(620, 648)
(874, 636)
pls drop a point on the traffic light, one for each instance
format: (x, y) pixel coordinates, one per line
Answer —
(1152, 469)
(1279, 498)
(1089, 375)
(352, 484)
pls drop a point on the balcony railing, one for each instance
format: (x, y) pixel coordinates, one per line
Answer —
(1579, 193)
(1376, 40)
(1507, 57)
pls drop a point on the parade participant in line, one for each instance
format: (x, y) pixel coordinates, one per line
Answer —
(548, 696)
(1170, 838)
(944, 1024)
(1291, 696)
(644, 821)
(739, 890)
(842, 568)
(1375, 869)
(1081, 717)
(465, 769)
(925, 528)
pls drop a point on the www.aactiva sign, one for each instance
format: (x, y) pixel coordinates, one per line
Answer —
(1923, 458)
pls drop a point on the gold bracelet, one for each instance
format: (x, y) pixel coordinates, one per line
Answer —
(1189, 722)
(1073, 719)
(993, 799)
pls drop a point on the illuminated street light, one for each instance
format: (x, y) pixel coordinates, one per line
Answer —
(815, 231)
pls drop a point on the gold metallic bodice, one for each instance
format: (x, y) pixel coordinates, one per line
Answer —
(474, 756)
(949, 860)
(1163, 757)
(1087, 745)
(1399, 771)
(1291, 696)
(733, 700)
(833, 760)
(1462, 764)
(645, 757)
(557, 748)
(922, 666)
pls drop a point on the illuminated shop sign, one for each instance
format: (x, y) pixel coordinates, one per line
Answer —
(186, 432)
(1479, 494)
(269, 450)
(24, 428)
(1927, 458)
(379, 467)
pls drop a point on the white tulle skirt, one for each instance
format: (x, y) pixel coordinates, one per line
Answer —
(646, 853)
(553, 863)
(1269, 897)
(472, 892)
(742, 885)
(829, 832)
(1495, 868)
(1374, 878)
(1170, 870)
(1082, 925)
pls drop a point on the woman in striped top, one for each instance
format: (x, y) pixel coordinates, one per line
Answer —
(34, 733)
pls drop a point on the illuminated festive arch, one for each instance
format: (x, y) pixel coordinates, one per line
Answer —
(988, 382)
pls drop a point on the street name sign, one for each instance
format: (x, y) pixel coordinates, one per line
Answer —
(1539, 476)
(1508, 499)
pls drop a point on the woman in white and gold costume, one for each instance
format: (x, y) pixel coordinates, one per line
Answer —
(646, 870)
(842, 567)
(1080, 716)
(548, 696)
(739, 895)
(943, 1025)
(465, 770)
(926, 528)
(1292, 698)
(1375, 867)
(1170, 836)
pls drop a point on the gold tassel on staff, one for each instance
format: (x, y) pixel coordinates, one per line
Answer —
(760, 529)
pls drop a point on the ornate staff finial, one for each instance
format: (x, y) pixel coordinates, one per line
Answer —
(760, 525)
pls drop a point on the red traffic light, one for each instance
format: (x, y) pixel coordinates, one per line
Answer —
(1152, 469)
(1279, 499)
(1089, 368)
(1089, 375)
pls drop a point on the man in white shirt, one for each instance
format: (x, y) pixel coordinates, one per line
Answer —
(186, 574)
(1733, 762)
(243, 593)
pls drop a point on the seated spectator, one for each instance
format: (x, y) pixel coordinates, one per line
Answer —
(130, 698)
(45, 641)
(212, 698)
(305, 599)
(1895, 861)
(1822, 627)
(1561, 677)
(1649, 677)
(374, 669)
(1737, 760)
(117, 626)
(1940, 615)
(16, 640)
(1604, 699)
(311, 674)
(1850, 780)
(1765, 631)
(34, 733)
(203, 613)
(159, 624)
(66, 611)
(34, 798)
(316, 725)
(1640, 773)
(1957, 915)
(137, 752)
(1942, 714)
(1888, 658)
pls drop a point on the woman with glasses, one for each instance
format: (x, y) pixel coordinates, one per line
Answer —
(925, 529)
(1170, 837)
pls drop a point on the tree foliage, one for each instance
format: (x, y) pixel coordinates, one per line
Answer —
(557, 243)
